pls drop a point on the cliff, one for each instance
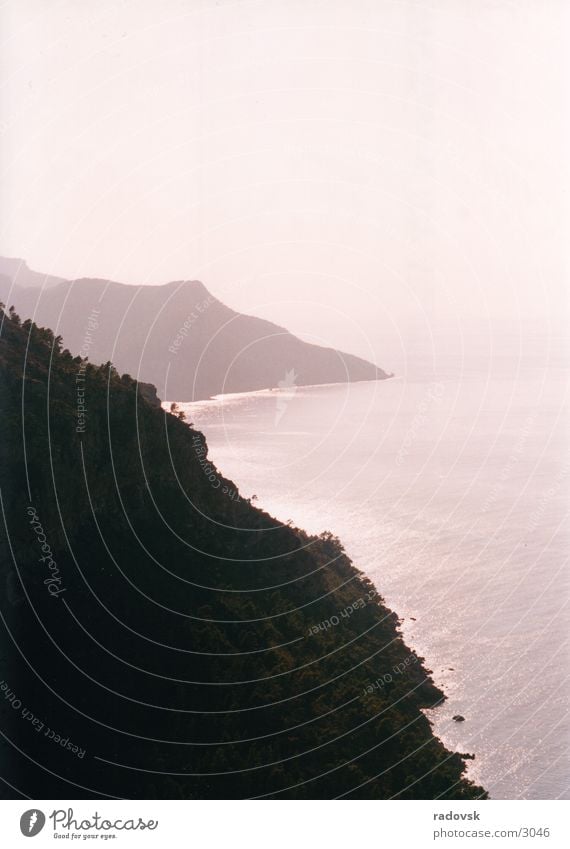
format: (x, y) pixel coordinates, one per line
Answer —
(177, 641)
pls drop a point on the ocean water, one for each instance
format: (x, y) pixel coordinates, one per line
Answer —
(450, 488)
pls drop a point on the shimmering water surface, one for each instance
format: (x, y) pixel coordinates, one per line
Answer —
(451, 491)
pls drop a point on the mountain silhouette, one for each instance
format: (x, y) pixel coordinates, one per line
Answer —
(177, 336)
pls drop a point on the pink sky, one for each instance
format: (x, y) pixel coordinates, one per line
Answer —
(353, 170)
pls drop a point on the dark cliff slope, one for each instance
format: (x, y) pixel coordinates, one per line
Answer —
(175, 641)
(181, 338)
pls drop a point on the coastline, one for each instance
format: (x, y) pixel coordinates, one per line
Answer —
(270, 661)
(221, 398)
(432, 694)
(414, 646)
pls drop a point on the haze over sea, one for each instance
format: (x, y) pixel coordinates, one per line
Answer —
(449, 488)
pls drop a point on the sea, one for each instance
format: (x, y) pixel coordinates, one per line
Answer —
(449, 486)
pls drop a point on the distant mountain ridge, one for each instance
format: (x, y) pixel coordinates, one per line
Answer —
(177, 336)
(17, 271)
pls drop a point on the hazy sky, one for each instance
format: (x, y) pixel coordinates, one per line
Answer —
(360, 171)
